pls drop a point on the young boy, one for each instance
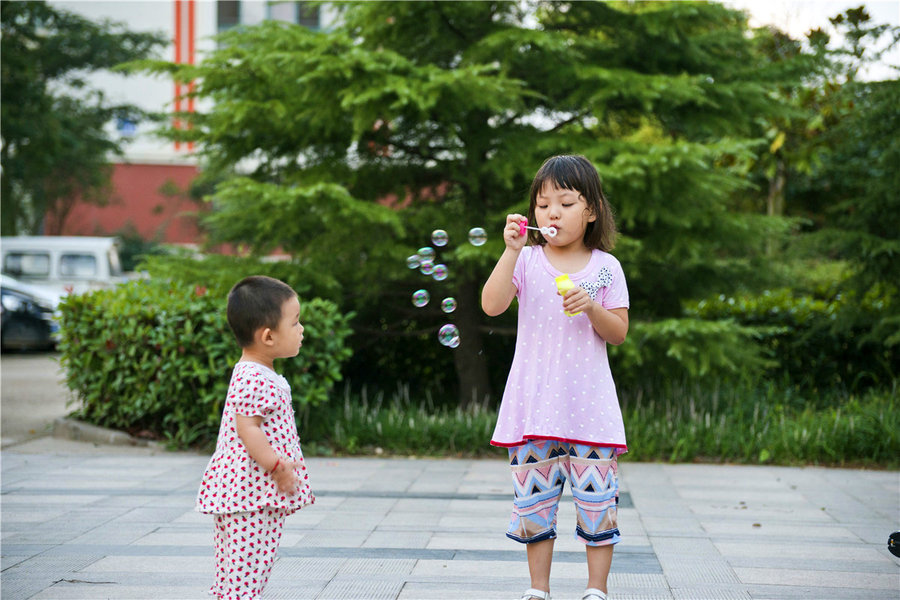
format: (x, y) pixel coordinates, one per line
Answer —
(257, 475)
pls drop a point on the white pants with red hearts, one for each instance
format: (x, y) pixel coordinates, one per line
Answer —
(246, 545)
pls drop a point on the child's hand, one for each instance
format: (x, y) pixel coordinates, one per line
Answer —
(577, 300)
(286, 479)
(512, 232)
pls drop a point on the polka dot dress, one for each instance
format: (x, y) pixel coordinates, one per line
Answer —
(244, 498)
(560, 386)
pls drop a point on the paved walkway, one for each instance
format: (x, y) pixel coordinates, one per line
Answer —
(85, 521)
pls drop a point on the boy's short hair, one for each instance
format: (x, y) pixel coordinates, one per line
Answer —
(255, 302)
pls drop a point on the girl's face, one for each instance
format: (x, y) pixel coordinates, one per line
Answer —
(288, 337)
(566, 210)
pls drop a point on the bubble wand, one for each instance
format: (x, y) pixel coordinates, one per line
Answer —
(548, 231)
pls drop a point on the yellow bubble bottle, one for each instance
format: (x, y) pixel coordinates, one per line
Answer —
(563, 285)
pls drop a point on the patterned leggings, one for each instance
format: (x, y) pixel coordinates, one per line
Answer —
(540, 469)
(246, 545)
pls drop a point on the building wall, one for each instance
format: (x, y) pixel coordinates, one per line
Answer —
(150, 200)
(149, 163)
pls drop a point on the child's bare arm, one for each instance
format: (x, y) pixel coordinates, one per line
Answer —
(251, 434)
(498, 292)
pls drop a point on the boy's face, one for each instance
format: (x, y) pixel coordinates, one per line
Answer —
(288, 336)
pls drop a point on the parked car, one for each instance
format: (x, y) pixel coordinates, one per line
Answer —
(28, 316)
(64, 264)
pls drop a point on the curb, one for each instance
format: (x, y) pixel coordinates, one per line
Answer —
(70, 429)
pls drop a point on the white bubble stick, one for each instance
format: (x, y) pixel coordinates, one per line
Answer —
(548, 231)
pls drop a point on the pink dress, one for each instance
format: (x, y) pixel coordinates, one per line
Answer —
(234, 482)
(560, 386)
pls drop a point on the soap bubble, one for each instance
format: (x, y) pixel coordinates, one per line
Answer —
(420, 298)
(477, 236)
(427, 267)
(440, 272)
(439, 237)
(449, 335)
(413, 261)
(448, 305)
(426, 253)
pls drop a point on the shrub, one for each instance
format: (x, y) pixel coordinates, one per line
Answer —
(686, 348)
(806, 338)
(155, 356)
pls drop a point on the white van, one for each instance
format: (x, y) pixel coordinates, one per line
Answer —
(63, 264)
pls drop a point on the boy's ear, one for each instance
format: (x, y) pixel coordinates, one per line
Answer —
(264, 336)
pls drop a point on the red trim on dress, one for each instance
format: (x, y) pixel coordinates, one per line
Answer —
(531, 438)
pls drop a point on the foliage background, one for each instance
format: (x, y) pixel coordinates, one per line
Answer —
(751, 174)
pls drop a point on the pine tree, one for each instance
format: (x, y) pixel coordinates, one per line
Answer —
(450, 108)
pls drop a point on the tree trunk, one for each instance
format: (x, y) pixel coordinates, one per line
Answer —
(775, 199)
(469, 357)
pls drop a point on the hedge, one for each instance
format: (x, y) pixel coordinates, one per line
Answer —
(154, 357)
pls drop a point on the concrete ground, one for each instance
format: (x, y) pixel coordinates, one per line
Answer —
(89, 520)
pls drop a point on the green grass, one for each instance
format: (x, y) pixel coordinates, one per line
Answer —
(764, 426)
(677, 423)
(360, 425)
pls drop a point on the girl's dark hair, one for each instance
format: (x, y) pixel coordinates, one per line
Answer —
(255, 302)
(576, 173)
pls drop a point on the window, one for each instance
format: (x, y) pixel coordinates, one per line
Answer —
(301, 13)
(78, 265)
(228, 14)
(308, 15)
(27, 264)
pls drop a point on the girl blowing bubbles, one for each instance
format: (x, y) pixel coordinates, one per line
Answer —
(560, 416)
(256, 476)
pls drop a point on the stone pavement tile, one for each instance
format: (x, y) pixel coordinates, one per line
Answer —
(115, 534)
(298, 569)
(44, 500)
(776, 531)
(467, 569)
(762, 548)
(416, 521)
(332, 538)
(873, 533)
(776, 513)
(377, 566)
(384, 538)
(297, 590)
(711, 592)
(835, 579)
(690, 571)
(371, 587)
(380, 506)
(788, 592)
(172, 563)
(86, 591)
(24, 514)
(655, 526)
(817, 564)
(461, 590)
(461, 524)
(684, 546)
(473, 541)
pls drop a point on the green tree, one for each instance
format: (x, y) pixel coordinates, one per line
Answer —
(54, 146)
(450, 108)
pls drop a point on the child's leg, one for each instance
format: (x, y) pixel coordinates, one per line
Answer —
(221, 541)
(599, 559)
(538, 482)
(540, 558)
(252, 540)
(594, 478)
(270, 540)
